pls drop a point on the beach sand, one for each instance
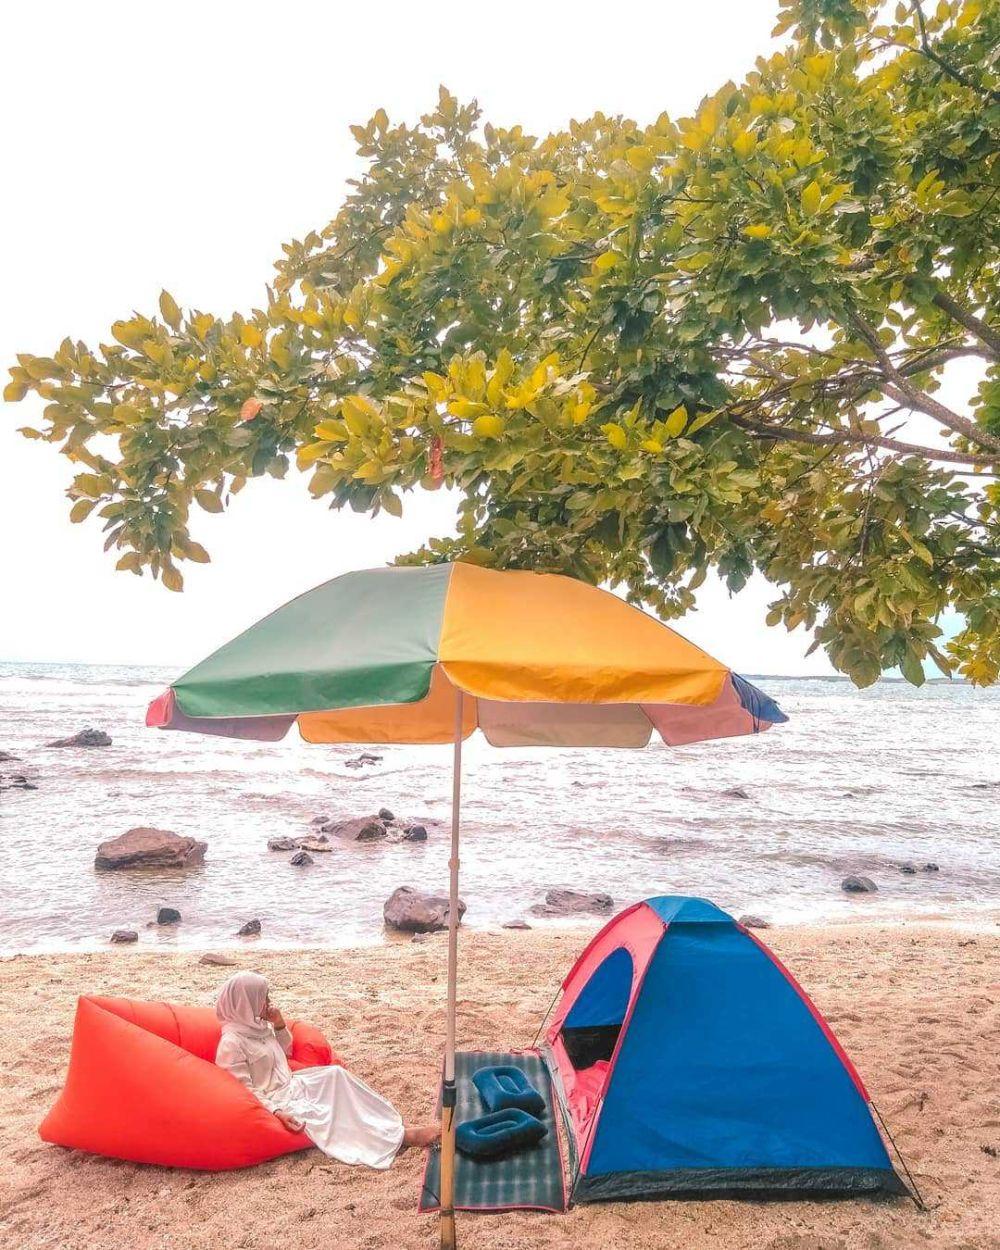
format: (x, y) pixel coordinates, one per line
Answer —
(915, 1007)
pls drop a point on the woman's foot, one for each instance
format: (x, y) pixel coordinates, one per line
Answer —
(423, 1135)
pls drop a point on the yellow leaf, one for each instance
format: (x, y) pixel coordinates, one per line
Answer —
(675, 423)
(81, 510)
(758, 230)
(172, 578)
(489, 426)
(358, 412)
(250, 336)
(651, 444)
(471, 217)
(744, 144)
(169, 311)
(616, 436)
(466, 409)
(641, 159)
(812, 197)
(131, 562)
(606, 261)
(14, 392)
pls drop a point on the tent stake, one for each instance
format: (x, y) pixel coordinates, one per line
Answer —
(448, 1092)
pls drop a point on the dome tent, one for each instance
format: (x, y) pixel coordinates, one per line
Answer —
(688, 1062)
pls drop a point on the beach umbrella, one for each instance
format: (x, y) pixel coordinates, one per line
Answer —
(431, 654)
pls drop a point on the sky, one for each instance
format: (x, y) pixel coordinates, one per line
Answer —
(178, 146)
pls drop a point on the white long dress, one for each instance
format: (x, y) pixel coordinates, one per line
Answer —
(341, 1115)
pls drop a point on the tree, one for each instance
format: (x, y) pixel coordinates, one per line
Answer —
(640, 352)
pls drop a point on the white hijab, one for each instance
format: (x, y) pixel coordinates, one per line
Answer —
(240, 1005)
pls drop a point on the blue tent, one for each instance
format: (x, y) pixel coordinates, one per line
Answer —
(688, 1061)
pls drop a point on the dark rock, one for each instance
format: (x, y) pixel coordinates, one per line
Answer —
(366, 757)
(859, 885)
(282, 844)
(515, 924)
(931, 868)
(6, 757)
(122, 936)
(735, 792)
(168, 915)
(250, 929)
(217, 961)
(572, 903)
(314, 844)
(385, 814)
(320, 820)
(302, 859)
(908, 868)
(149, 848)
(85, 738)
(363, 829)
(415, 833)
(412, 911)
(754, 922)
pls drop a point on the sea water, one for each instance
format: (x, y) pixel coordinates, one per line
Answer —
(858, 782)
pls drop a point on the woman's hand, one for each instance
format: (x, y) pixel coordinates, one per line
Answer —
(273, 1016)
(289, 1121)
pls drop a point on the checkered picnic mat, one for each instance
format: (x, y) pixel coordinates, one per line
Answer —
(531, 1179)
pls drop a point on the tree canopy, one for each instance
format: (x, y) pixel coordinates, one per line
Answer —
(639, 351)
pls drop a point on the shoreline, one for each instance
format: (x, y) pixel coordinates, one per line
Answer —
(915, 1006)
(167, 943)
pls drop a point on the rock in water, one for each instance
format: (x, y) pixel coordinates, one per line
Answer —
(217, 961)
(364, 829)
(314, 844)
(415, 833)
(859, 885)
(122, 936)
(85, 738)
(302, 859)
(572, 903)
(908, 868)
(250, 929)
(411, 911)
(754, 922)
(149, 848)
(385, 814)
(931, 868)
(281, 844)
(735, 792)
(168, 915)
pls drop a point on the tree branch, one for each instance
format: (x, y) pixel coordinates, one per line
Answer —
(979, 329)
(943, 65)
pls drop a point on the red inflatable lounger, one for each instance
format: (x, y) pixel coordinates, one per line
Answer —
(142, 1085)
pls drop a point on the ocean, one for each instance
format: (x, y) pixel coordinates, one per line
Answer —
(858, 782)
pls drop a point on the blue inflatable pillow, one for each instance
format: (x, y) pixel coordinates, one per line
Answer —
(499, 1133)
(503, 1087)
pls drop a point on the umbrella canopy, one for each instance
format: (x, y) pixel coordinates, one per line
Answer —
(430, 655)
(543, 660)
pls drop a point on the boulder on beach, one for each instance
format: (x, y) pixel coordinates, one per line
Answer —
(412, 911)
(85, 738)
(217, 961)
(515, 924)
(302, 859)
(573, 903)
(859, 885)
(754, 922)
(122, 936)
(250, 929)
(363, 829)
(149, 848)
(168, 915)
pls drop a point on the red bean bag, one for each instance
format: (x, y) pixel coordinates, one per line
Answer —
(142, 1085)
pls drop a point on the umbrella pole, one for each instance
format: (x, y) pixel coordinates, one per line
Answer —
(448, 1092)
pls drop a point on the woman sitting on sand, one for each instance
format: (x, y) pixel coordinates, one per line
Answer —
(337, 1112)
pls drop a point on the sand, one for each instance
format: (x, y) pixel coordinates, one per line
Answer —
(915, 1007)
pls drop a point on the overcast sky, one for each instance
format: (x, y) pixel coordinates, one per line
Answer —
(178, 146)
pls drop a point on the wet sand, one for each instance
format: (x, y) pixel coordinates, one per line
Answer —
(915, 1007)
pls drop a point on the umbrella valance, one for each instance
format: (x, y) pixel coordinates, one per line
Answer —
(378, 656)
